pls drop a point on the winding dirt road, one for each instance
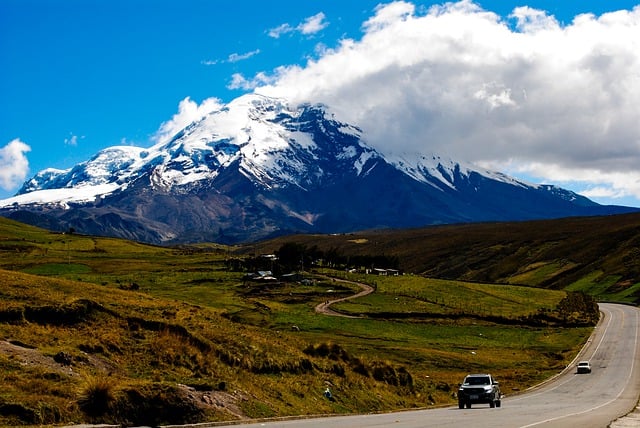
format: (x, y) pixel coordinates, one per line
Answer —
(325, 307)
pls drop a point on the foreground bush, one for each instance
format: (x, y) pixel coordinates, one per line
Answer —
(148, 404)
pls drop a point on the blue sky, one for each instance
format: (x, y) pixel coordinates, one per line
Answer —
(530, 90)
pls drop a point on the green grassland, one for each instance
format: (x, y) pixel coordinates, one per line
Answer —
(110, 331)
(416, 294)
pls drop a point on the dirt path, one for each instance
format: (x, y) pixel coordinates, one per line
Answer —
(325, 307)
(30, 356)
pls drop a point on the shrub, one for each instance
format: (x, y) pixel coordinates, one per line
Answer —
(156, 404)
(12, 315)
(333, 351)
(97, 396)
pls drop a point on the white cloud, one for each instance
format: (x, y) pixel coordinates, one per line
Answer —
(462, 81)
(595, 183)
(14, 165)
(188, 112)
(72, 140)
(311, 25)
(495, 95)
(280, 30)
(389, 14)
(532, 20)
(605, 192)
(234, 57)
(238, 81)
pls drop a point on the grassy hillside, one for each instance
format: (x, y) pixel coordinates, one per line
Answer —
(596, 255)
(110, 331)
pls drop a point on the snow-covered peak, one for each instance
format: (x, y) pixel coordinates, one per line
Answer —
(113, 163)
(275, 143)
(107, 166)
(232, 122)
(437, 170)
(269, 141)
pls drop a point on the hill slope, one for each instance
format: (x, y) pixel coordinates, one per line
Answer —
(598, 255)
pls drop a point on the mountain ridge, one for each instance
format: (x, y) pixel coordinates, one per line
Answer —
(259, 167)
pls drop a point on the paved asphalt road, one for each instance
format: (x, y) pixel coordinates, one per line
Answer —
(570, 400)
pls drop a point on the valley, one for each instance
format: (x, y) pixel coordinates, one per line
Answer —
(91, 326)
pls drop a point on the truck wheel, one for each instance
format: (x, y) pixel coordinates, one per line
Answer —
(461, 404)
(492, 404)
(468, 404)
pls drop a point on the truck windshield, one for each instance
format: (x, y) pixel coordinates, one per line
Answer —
(477, 380)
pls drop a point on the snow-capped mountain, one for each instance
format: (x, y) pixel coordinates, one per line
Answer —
(260, 167)
(274, 146)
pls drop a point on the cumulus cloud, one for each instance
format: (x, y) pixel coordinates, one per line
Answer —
(311, 25)
(14, 165)
(521, 91)
(188, 112)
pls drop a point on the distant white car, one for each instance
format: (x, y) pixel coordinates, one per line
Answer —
(584, 367)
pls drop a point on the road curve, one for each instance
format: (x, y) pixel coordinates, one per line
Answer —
(569, 400)
(324, 307)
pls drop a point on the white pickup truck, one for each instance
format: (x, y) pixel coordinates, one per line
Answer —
(479, 389)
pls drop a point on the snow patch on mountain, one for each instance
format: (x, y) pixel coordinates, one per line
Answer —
(61, 198)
